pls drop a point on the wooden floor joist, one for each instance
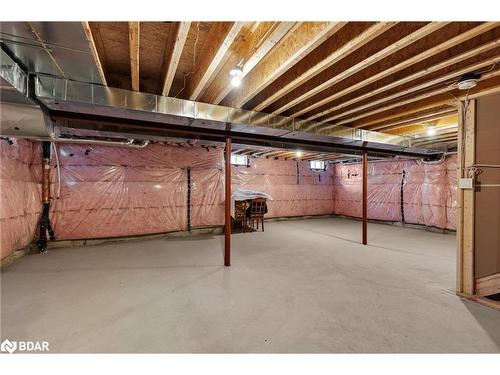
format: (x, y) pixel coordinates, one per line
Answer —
(252, 50)
(134, 54)
(223, 36)
(318, 101)
(174, 58)
(490, 82)
(98, 59)
(302, 39)
(414, 89)
(422, 117)
(318, 84)
(394, 83)
(337, 52)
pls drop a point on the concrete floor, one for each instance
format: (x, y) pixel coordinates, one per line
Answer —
(302, 286)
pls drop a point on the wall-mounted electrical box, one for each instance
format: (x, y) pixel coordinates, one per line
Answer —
(465, 183)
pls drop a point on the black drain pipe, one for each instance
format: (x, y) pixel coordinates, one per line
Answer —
(44, 219)
(189, 199)
(402, 197)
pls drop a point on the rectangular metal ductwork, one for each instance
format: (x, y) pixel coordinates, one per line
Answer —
(108, 108)
(19, 116)
(98, 108)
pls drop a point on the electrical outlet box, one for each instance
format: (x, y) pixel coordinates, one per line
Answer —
(465, 183)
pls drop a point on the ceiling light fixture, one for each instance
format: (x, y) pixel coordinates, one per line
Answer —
(468, 81)
(431, 131)
(298, 154)
(236, 75)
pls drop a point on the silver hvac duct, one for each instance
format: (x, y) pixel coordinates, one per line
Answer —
(59, 95)
(22, 118)
(29, 122)
(53, 91)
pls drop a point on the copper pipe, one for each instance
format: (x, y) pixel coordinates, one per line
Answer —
(227, 206)
(46, 181)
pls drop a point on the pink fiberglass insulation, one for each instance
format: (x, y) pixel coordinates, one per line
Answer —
(20, 187)
(309, 193)
(207, 197)
(429, 191)
(451, 192)
(117, 191)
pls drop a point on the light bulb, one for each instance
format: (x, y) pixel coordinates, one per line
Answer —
(235, 81)
(298, 154)
(236, 76)
(431, 131)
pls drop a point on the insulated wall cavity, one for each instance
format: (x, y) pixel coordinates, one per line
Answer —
(111, 191)
(20, 198)
(296, 190)
(425, 193)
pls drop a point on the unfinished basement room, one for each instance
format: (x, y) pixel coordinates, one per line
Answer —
(250, 187)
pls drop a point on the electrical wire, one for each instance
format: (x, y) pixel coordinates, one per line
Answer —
(463, 108)
(194, 60)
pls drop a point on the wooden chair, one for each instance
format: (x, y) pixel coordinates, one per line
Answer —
(240, 218)
(257, 210)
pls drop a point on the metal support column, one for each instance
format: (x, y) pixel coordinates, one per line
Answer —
(365, 197)
(227, 206)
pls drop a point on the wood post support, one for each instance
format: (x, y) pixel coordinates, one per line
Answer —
(465, 199)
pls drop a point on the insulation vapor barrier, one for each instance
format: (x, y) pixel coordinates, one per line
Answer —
(296, 190)
(107, 191)
(115, 191)
(424, 194)
(21, 190)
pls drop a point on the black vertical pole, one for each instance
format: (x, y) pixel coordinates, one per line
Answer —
(227, 206)
(365, 197)
(189, 199)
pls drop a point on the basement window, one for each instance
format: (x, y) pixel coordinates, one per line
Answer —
(239, 160)
(318, 165)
